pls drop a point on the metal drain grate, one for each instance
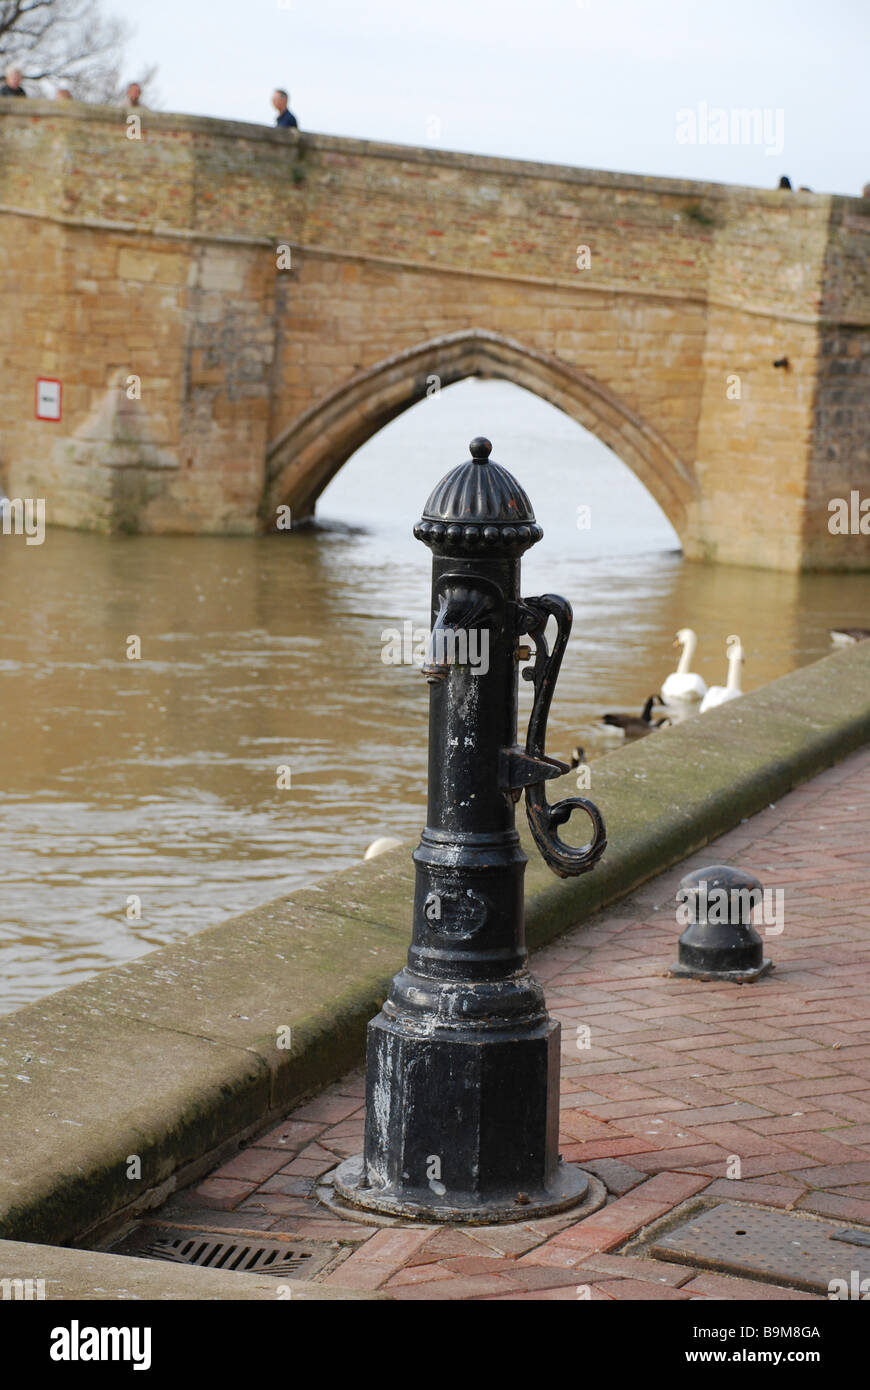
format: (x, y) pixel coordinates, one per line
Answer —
(217, 1250)
(759, 1243)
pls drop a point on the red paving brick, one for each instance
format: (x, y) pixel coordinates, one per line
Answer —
(471, 1287)
(679, 1079)
(255, 1165)
(222, 1193)
(839, 1175)
(381, 1255)
(633, 1267)
(837, 1205)
(418, 1274)
(765, 1194)
(636, 1289)
(561, 1294)
(329, 1108)
(724, 1286)
(281, 1205)
(448, 1243)
(292, 1135)
(528, 1277)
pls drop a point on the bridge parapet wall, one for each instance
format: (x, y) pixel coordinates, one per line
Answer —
(157, 258)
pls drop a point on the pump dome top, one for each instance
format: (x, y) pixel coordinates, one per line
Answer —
(479, 505)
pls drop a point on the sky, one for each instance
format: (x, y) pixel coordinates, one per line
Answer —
(637, 86)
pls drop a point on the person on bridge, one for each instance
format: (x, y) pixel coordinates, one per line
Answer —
(134, 94)
(285, 116)
(12, 86)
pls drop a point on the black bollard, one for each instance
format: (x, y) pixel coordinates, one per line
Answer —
(720, 942)
(462, 1086)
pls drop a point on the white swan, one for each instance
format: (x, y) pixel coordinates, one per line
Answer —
(382, 845)
(719, 694)
(683, 684)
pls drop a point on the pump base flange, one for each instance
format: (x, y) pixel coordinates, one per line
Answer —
(738, 977)
(571, 1187)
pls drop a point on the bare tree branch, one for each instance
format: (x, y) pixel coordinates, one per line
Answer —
(71, 43)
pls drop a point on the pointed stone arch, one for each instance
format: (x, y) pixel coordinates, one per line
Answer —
(308, 454)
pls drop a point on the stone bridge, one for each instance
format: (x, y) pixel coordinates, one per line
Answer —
(233, 310)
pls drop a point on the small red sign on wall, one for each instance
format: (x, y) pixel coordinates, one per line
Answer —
(48, 398)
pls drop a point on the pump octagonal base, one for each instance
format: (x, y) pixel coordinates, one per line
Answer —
(569, 1188)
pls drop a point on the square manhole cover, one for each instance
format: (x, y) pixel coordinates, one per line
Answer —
(781, 1247)
(246, 1254)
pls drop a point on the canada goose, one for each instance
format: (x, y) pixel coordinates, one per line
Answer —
(684, 684)
(720, 694)
(846, 636)
(633, 725)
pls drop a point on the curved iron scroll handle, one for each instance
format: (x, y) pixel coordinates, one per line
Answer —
(564, 860)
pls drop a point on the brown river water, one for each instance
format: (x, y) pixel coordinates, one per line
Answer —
(158, 778)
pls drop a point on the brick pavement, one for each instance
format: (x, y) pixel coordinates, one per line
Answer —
(679, 1079)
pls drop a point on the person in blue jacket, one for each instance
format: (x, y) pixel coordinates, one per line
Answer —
(285, 115)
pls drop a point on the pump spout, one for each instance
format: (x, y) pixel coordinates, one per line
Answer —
(460, 632)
